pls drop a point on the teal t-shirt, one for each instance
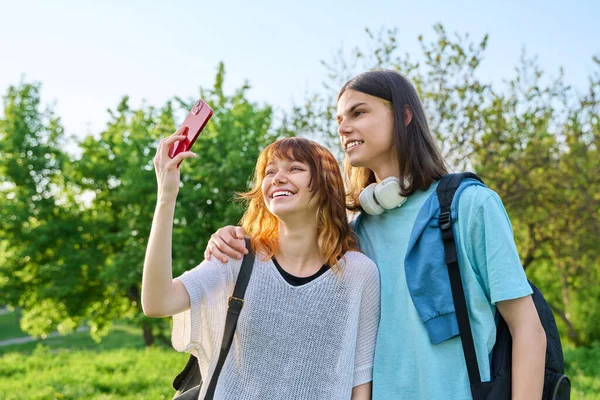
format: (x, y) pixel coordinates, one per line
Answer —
(407, 364)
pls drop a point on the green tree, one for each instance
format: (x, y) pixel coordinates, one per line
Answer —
(118, 168)
(91, 237)
(39, 213)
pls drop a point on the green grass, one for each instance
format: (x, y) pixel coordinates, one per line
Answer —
(583, 367)
(88, 374)
(76, 367)
(120, 367)
(120, 336)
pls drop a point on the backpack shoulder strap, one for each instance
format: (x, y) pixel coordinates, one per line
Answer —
(243, 278)
(236, 302)
(445, 191)
(448, 185)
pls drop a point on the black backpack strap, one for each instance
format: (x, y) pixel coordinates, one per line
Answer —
(236, 302)
(445, 191)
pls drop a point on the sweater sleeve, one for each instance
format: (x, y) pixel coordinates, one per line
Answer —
(368, 323)
(208, 286)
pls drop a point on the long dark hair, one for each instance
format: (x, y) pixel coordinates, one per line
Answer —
(419, 159)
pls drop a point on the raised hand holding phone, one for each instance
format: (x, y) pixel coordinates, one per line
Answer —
(162, 296)
(175, 148)
(195, 121)
(167, 167)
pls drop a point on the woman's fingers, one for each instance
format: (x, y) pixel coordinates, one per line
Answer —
(179, 134)
(166, 168)
(166, 143)
(182, 130)
(179, 157)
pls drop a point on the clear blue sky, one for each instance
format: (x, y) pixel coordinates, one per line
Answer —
(89, 54)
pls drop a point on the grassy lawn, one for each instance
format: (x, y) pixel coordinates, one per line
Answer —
(76, 367)
(120, 367)
(121, 336)
(583, 367)
(87, 374)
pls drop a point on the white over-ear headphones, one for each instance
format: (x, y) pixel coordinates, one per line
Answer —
(378, 197)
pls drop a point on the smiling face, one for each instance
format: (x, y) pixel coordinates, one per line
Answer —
(298, 181)
(286, 188)
(366, 129)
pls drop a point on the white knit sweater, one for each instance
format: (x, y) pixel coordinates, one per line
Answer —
(314, 341)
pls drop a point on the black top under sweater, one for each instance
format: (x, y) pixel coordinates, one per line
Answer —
(297, 280)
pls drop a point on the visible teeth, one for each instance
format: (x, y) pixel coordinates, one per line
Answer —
(352, 144)
(282, 193)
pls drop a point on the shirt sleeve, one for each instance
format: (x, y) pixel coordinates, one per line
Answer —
(491, 246)
(368, 323)
(208, 286)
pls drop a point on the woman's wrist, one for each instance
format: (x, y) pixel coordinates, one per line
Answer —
(166, 200)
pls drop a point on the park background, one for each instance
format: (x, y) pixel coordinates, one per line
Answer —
(512, 91)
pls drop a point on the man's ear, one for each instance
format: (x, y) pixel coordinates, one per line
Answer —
(407, 115)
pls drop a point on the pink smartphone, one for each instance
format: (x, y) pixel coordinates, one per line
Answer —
(195, 123)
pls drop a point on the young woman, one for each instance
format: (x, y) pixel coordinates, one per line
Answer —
(311, 310)
(386, 139)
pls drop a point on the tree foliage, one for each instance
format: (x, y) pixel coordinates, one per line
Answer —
(77, 229)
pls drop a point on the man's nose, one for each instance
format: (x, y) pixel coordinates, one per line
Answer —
(344, 128)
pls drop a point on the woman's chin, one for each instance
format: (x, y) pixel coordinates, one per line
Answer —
(292, 215)
(282, 212)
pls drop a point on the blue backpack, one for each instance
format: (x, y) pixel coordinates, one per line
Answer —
(557, 385)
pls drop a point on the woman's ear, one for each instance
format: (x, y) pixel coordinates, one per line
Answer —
(407, 115)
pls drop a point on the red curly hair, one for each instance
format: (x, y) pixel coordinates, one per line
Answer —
(334, 235)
